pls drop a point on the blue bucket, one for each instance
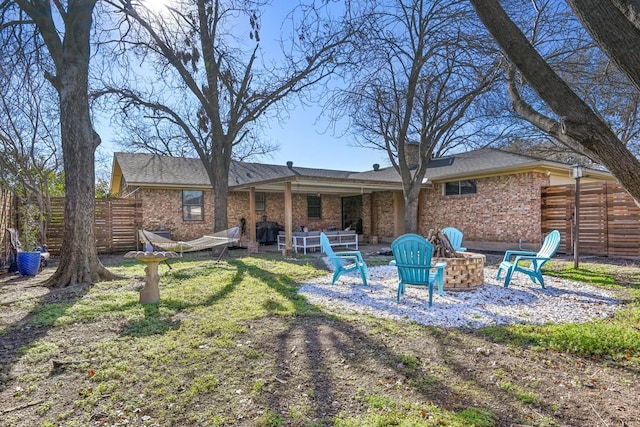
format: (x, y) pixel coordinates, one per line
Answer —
(28, 263)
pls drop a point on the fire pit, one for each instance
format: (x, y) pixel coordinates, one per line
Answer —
(150, 294)
(466, 272)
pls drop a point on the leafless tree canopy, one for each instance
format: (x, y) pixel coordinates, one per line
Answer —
(554, 30)
(205, 81)
(577, 121)
(29, 135)
(416, 84)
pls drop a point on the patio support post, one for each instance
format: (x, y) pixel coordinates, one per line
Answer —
(288, 220)
(398, 212)
(252, 245)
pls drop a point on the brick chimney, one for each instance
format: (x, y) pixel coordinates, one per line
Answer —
(412, 153)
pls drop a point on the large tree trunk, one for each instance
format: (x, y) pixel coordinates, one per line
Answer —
(79, 261)
(220, 192)
(579, 122)
(411, 198)
(219, 177)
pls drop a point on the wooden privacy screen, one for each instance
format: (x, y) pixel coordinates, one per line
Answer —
(117, 224)
(609, 219)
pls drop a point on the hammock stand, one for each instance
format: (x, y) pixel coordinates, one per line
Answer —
(221, 238)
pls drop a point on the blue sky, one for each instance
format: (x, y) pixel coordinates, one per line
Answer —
(310, 144)
(302, 140)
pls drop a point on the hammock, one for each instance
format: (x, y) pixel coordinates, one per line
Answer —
(224, 237)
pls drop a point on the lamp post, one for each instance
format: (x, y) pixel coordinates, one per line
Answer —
(577, 174)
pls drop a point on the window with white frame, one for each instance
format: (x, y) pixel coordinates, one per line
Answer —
(260, 204)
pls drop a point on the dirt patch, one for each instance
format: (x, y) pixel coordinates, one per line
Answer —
(454, 369)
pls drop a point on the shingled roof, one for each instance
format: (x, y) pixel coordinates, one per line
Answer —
(153, 169)
(478, 163)
(140, 169)
(242, 173)
(150, 170)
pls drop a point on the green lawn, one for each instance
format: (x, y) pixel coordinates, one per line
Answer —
(614, 339)
(232, 343)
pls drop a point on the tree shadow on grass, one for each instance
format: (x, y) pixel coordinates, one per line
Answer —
(340, 370)
(36, 324)
(542, 381)
(221, 294)
(327, 364)
(153, 323)
(157, 323)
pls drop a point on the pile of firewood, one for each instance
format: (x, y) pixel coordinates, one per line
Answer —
(442, 247)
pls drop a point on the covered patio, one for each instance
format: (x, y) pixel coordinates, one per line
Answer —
(359, 195)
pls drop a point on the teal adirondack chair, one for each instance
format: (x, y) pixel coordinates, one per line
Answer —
(455, 237)
(344, 261)
(533, 261)
(412, 254)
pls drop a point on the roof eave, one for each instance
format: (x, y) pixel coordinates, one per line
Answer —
(303, 184)
(169, 186)
(536, 166)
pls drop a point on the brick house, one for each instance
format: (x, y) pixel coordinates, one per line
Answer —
(491, 195)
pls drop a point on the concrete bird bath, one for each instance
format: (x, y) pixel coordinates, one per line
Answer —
(150, 294)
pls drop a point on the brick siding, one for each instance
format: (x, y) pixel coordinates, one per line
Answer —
(504, 209)
(384, 226)
(162, 210)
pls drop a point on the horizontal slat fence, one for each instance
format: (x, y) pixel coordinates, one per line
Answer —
(116, 224)
(609, 219)
(7, 218)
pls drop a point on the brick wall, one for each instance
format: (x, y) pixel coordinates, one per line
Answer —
(384, 226)
(504, 209)
(366, 215)
(162, 210)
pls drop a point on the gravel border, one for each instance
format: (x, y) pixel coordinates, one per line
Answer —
(562, 301)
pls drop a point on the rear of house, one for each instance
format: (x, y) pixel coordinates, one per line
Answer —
(492, 196)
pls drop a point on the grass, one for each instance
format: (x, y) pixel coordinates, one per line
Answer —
(204, 355)
(616, 339)
(525, 396)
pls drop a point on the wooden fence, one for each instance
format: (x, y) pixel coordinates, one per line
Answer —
(116, 224)
(7, 219)
(609, 219)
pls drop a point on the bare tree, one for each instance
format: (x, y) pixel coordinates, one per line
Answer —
(211, 83)
(29, 138)
(577, 125)
(553, 29)
(64, 32)
(415, 97)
